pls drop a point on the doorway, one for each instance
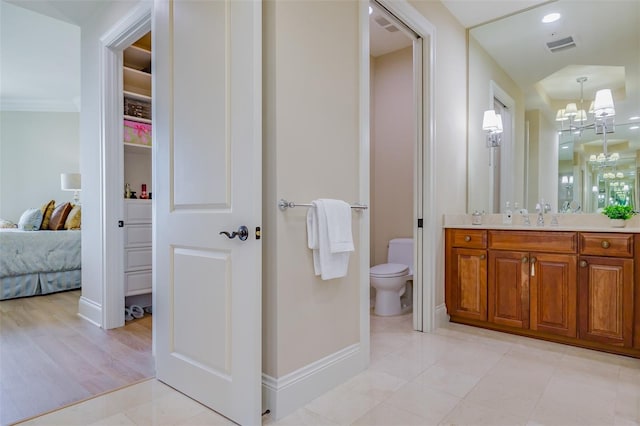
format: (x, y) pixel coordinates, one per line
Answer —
(115, 211)
(395, 143)
(425, 225)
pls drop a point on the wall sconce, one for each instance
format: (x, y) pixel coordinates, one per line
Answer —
(71, 182)
(492, 124)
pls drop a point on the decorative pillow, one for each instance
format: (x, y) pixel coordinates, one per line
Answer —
(47, 210)
(59, 216)
(73, 220)
(7, 224)
(30, 220)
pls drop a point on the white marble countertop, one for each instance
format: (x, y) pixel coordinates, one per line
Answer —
(566, 222)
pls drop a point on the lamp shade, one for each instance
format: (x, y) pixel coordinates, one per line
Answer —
(571, 110)
(490, 121)
(581, 116)
(603, 104)
(70, 182)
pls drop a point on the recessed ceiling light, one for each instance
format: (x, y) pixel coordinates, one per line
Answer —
(635, 117)
(565, 147)
(634, 127)
(552, 17)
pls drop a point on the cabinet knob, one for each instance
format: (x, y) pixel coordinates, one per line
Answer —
(583, 263)
(534, 260)
(467, 238)
(605, 244)
(525, 259)
(482, 257)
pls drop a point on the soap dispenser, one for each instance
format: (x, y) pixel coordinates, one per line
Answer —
(507, 217)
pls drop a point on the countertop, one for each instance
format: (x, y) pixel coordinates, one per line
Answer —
(566, 222)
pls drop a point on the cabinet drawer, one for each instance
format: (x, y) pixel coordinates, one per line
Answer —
(137, 283)
(137, 258)
(137, 211)
(137, 235)
(468, 238)
(539, 241)
(618, 245)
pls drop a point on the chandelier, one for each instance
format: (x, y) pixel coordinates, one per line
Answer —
(576, 118)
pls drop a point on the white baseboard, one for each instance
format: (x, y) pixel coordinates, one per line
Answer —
(90, 311)
(441, 315)
(286, 394)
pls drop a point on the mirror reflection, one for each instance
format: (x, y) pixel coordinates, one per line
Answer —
(568, 96)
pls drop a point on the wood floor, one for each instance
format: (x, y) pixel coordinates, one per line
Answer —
(50, 357)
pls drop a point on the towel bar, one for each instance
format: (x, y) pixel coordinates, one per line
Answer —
(284, 204)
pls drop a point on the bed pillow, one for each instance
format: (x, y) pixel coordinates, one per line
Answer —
(47, 210)
(59, 216)
(30, 220)
(73, 220)
(7, 224)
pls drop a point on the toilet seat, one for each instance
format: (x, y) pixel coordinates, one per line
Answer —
(389, 270)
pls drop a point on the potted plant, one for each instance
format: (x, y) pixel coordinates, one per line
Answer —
(618, 214)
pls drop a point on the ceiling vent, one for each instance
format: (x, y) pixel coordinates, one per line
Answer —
(384, 23)
(562, 44)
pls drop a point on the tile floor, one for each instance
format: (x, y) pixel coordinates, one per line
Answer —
(456, 375)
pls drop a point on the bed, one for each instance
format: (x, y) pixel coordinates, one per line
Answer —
(38, 262)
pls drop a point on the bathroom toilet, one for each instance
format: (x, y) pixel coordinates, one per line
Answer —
(394, 279)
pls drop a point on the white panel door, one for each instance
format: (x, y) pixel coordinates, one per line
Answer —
(207, 136)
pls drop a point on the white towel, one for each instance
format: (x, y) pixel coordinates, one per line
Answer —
(329, 236)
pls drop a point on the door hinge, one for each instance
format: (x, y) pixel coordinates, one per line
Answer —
(419, 223)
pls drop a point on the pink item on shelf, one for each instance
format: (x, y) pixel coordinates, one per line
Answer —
(137, 133)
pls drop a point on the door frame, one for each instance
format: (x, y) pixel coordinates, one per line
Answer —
(112, 44)
(425, 273)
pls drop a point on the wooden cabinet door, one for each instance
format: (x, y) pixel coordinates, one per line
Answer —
(508, 288)
(553, 292)
(468, 284)
(606, 300)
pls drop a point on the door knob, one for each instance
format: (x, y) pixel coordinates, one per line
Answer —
(242, 233)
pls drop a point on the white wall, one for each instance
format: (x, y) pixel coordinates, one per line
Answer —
(392, 150)
(35, 147)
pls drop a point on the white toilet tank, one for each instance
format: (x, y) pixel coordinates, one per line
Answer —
(401, 251)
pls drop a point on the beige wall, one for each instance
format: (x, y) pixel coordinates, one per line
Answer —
(311, 150)
(392, 150)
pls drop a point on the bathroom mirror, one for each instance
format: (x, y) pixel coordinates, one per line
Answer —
(528, 70)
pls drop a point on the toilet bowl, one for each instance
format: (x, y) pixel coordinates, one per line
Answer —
(394, 279)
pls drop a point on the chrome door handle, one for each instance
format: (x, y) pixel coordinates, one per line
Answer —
(242, 233)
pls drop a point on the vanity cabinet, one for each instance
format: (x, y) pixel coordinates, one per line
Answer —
(606, 281)
(571, 287)
(533, 289)
(467, 273)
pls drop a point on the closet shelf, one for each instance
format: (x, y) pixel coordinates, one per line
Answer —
(134, 95)
(137, 119)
